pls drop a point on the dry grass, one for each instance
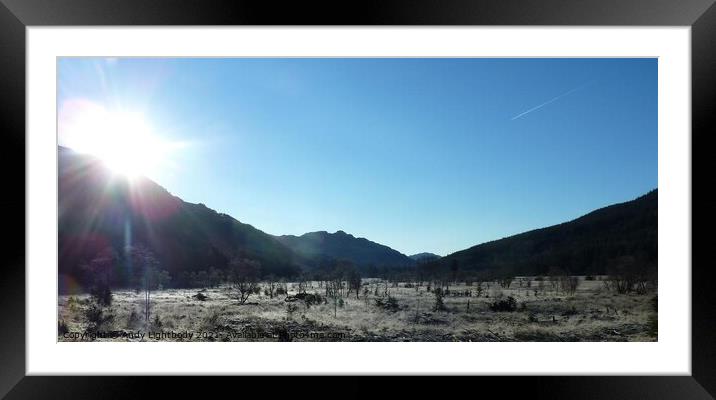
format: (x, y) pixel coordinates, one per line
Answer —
(591, 314)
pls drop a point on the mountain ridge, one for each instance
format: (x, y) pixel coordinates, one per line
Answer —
(97, 210)
(342, 245)
(425, 257)
(592, 243)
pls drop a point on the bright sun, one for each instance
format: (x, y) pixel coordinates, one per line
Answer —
(123, 140)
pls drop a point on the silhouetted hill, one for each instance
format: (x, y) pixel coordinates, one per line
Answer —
(622, 235)
(425, 257)
(344, 246)
(98, 210)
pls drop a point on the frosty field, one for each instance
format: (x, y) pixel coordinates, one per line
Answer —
(541, 313)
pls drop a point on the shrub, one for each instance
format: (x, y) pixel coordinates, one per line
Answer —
(569, 284)
(570, 311)
(506, 282)
(308, 298)
(389, 303)
(200, 296)
(508, 305)
(157, 323)
(73, 304)
(101, 294)
(313, 298)
(283, 334)
(480, 289)
(653, 320)
(653, 325)
(133, 319)
(640, 286)
(97, 319)
(625, 277)
(439, 305)
(290, 309)
(618, 284)
(62, 328)
(212, 321)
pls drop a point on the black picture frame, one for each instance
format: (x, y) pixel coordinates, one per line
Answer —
(16, 15)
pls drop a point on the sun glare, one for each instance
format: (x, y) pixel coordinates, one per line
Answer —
(124, 141)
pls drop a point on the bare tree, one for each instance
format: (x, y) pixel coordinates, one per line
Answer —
(244, 277)
(303, 281)
(569, 284)
(629, 274)
(555, 277)
(540, 285)
(148, 276)
(271, 285)
(354, 282)
(506, 281)
(215, 277)
(439, 305)
(98, 275)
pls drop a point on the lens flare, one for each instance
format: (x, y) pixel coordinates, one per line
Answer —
(124, 140)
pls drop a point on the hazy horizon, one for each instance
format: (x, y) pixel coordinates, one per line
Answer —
(421, 155)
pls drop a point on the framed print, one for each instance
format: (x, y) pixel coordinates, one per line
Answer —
(466, 189)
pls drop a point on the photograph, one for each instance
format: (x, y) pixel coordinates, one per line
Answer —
(357, 199)
(238, 189)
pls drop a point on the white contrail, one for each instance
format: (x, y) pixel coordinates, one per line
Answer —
(520, 115)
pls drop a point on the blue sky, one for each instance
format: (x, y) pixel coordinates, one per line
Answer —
(418, 154)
